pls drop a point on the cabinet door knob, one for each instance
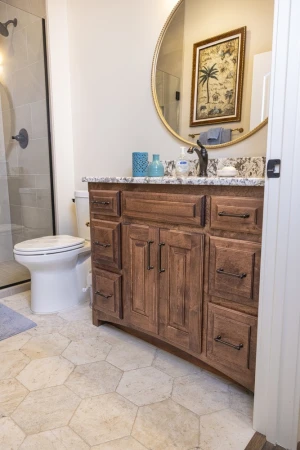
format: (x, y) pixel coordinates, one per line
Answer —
(240, 216)
(161, 270)
(102, 295)
(236, 347)
(236, 275)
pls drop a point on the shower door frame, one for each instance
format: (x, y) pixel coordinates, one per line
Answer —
(50, 154)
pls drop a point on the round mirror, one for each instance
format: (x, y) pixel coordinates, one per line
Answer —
(212, 68)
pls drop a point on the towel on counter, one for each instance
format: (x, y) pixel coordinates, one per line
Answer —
(215, 136)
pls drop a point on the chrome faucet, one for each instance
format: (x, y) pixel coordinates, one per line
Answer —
(203, 158)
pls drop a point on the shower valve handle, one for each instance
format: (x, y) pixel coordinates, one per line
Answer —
(22, 138)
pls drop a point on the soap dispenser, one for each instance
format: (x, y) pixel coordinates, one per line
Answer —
(182, 165)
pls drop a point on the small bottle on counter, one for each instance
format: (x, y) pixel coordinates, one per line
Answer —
(182, 165)
(156, 168)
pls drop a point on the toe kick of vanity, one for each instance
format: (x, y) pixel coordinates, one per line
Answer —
(181, 264)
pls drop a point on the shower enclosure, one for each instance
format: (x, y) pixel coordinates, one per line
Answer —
(26, 194)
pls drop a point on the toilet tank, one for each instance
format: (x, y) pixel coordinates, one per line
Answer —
(83, 214)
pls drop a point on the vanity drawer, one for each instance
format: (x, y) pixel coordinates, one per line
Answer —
(169, 208)
(237, 214)
(105, 238)
(107, 293)
(231, 342)
(234, 270)
(106, 203)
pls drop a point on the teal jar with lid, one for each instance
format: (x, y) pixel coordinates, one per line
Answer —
(156, 168)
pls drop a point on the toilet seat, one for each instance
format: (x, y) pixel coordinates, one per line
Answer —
(48, 245)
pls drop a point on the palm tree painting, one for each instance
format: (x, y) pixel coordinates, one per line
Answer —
(218, 72)
(207, 73)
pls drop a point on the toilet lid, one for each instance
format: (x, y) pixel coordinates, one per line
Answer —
(49, 243)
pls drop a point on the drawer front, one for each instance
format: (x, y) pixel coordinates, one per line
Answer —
(234, 270)
(106, 203)
(237, 214)
(231, 342)
(106, 243)
(107, 293)
(169, 208)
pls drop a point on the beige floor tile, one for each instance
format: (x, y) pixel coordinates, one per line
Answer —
(172, 365)
(18, 301)
(87, 351)
(11, 437)
(145, 386)
(14, 342)
(202, 393)
(127, 443)
(132, 355)
(46, 409)
(60, 439)
(114, 336)
(45, 373)
(166, 425)
(104, 418)
(225, 430)
(45, 345)
(78, 330)
(11, 364)
(241, 400)
(94, 379)
(77, 313)
(47, 324)
(12, 393)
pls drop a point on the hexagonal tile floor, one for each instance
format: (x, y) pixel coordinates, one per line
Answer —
(67, 384)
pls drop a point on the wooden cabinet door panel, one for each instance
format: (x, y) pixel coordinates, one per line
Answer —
(231, 342)
(107, 293)
(106, 243)
(181, 288)
(234, 270)
(140, 276)
(237, 214)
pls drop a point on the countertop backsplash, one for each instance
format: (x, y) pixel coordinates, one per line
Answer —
(251, 167)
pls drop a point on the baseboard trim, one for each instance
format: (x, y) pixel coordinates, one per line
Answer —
(15, 290)
(257, 442)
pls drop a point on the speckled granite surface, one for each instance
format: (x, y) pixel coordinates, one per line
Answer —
(250, 173)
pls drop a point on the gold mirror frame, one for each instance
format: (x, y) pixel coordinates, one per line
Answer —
(154, 95)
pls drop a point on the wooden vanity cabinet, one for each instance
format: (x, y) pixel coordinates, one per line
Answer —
(181, 265)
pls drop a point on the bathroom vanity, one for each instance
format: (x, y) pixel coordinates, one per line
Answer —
(179, 261)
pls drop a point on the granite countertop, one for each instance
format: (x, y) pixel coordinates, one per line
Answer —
(197, 181)
(250, 172)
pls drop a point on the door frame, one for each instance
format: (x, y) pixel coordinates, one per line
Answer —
(277, 392)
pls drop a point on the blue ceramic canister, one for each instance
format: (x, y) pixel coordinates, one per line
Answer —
(139, 164)
(156, 168)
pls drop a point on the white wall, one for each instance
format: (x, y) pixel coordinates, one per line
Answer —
(111, 49)
(61, 115)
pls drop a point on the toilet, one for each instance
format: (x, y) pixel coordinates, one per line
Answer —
(59, 265)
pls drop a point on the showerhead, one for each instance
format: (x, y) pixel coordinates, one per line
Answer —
(4, 27)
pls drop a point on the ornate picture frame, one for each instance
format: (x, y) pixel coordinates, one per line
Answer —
(217, 79)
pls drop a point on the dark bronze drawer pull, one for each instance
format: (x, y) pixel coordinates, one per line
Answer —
(97, 202)
(238, 275)
(102, 245)
(236, 347)
(162, 244)
(149, 267)
(240, 216)
(103, 295)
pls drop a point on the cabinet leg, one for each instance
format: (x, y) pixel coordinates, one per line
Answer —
(96, 321)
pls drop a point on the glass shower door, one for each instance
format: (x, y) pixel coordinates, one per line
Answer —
(26, 197)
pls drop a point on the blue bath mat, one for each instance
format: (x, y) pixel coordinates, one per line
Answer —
(12, 323)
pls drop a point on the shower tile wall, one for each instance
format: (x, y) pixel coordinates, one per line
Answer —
(24, 106)
(36, 7)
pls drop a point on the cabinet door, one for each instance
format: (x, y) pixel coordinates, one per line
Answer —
(140, 276)
(181, 288)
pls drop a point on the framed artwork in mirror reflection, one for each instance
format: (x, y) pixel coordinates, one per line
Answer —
(217, 80)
